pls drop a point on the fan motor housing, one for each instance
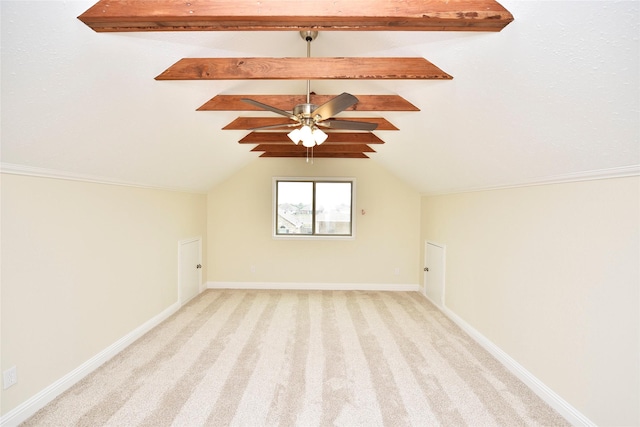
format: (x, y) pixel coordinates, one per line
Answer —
(304, 110)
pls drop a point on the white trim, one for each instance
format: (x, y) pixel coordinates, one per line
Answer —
(430, 300)
(444, 271)
(181, 243)
(13, 169)
(274, 208)
(571, 414)
(404, 287)
(618, 172)
(39, 400)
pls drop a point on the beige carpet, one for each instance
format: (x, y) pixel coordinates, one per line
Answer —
(301, 358)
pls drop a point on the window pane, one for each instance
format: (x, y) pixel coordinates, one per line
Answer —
(333, 208)
(295, 206)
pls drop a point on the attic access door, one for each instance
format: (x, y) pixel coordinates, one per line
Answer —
(190, 269)
(434, 273)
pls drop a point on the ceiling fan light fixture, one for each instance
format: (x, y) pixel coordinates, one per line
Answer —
(305, 132)
(295, 136)
(308, 116)
(319, 136)
(307, 136)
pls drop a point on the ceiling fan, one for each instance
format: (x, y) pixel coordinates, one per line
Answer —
(308, 117)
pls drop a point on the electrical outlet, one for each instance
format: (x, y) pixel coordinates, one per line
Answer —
(396, 271)
(9, 377)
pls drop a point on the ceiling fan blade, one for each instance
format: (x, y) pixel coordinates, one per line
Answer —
(290, 125)
(334, 106)
(269, 108)
(347, 124)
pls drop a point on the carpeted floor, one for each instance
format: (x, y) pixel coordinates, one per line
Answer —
(301, 358)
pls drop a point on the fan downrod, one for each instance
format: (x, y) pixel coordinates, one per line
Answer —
(308, 36)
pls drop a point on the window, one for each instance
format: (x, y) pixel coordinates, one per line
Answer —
(313, 207)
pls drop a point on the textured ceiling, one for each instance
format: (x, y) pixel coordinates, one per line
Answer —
(555, 94)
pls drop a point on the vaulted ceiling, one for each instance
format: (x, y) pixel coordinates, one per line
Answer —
(307, 18)
(124, 97)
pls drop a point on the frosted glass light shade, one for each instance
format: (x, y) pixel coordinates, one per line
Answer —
(308, 136)
(305, 132)
(294, 136)
(309, 142)
(319, 136)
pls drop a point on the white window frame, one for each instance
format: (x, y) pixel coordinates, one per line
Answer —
(274, 208)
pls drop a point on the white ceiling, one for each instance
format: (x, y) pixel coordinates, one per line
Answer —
(555, 94)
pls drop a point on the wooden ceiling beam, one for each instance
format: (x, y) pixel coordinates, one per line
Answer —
(346, 148)
(334, 138)
(303, 69)
(287, 102)
(316, 154)
(296, 15)
(249, 123)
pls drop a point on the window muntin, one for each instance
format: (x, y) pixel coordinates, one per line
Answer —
(313, 207)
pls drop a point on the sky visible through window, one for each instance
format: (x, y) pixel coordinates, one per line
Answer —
(295, 192)
(331, 194)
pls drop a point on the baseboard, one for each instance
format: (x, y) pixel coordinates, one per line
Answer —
(570, 413)
(37, 402)
(314, 286)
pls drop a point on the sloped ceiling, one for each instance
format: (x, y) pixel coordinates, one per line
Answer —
(555, 94)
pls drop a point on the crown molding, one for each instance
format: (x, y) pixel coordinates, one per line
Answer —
(14, 169)
(592, 175)
(597, 174)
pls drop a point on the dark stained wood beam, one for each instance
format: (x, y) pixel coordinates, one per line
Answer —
(347, 148)
(296, 15)
(333, 138)
(303, 69)
(287, 102)
(248, 123)
(317, 154)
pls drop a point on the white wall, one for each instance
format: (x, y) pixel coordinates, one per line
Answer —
(240, 229)
(83, 265)
(550, 274)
